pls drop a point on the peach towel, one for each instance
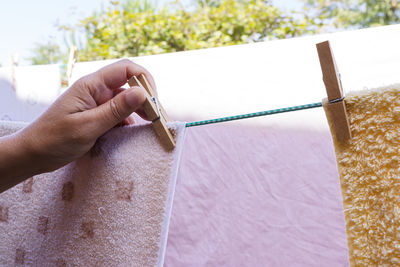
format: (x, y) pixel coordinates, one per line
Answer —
(109, 208)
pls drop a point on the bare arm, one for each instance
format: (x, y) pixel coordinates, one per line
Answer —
(71, 126)
(15, 162)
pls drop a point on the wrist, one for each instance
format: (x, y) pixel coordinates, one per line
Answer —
(17, 161)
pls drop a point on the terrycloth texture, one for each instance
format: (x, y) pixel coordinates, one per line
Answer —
(370, 179)
(109, 208)
(256, 196)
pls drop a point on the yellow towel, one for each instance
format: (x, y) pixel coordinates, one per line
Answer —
(370, 178)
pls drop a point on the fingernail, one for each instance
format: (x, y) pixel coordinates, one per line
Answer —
(132, 98)
(130, 120)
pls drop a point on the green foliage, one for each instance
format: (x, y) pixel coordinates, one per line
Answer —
(122, 32)
(47, 53)
(136, 28)
(136, 6)
(356, 13)
(212, 3)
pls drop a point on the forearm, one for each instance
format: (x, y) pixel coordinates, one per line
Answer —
(70, 127)
(16, 162)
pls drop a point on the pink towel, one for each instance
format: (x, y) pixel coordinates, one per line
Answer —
(109, 208)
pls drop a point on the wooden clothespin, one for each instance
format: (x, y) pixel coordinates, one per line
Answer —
(154, 111)
(73, 55)
(335, 101)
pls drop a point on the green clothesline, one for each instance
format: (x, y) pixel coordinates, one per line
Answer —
(255, 114)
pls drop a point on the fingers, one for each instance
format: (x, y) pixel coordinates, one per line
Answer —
(114, 111)
(128, 120)
(103, 83)
(116, 75)
(117, 91)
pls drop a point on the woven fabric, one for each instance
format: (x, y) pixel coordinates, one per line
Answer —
(257, 196)
(370, 178)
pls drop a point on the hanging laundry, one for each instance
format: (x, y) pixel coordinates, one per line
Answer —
(368, 165)
(257, 196)
(109, 208)
(35, 88)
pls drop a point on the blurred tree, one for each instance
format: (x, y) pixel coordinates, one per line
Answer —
(136, 6)
(136, 28)
(212, 3)
(125, 32)
(356, 13)
(47, 53)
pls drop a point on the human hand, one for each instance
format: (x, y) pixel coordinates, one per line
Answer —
(90, 107)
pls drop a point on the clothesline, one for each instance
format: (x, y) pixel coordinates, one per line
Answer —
(255, 114)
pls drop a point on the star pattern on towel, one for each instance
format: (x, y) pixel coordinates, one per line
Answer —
(43, 225)
(20, 256)
(124, 190)
(61, 263)
(78, 208)
(87, 229)
(67, 192)
(27, 185)
(3, 214)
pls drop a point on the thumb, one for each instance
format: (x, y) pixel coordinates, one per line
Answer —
(116, 109)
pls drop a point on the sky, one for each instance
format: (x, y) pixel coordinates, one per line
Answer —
(25, 23)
